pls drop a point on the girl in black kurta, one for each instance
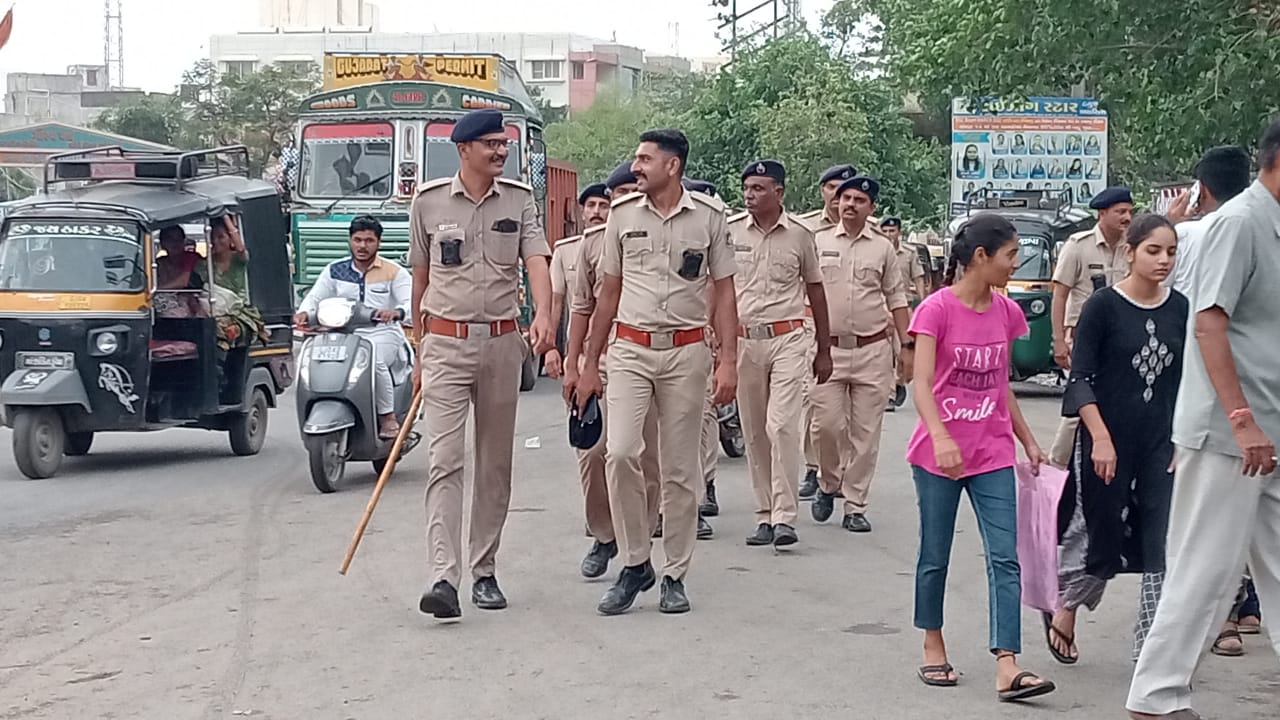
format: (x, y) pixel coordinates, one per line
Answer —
(1126, 364)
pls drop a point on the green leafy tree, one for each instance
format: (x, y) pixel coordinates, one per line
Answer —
(155, 118)
(595, 140)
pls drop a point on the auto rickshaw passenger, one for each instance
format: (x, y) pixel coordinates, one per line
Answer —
(237, 322)
(175, 270)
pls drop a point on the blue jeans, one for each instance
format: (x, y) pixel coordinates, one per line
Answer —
(994, 499)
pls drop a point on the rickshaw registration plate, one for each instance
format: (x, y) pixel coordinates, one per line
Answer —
(330, 353)
(45, 360)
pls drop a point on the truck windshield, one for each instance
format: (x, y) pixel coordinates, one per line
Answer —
(441, 156)
(338, 158)
(71, 256)
(1034, 261)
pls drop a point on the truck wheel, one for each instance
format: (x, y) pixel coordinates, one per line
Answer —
(38, 441)
(528, 373)
(78, 443)
(324, 453)
(249, 430)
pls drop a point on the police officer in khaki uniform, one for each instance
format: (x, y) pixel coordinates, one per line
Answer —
(1089, 261)
(594, 201)
(817, 221)
(469, 234)
(912, 274)
(867, 305)
(777, 269)
(662, 247)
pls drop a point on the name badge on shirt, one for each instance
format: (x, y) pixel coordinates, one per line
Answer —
(444, 227)
(743, 248)
(830, 253)
(1096, 266)
(628, 235)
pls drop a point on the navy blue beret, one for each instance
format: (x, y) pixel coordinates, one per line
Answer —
(585, 428)
(838, 172)
(701, 186)
(475, 125)
(593, 190)
(891, 222)
(621, 175)
(861, 183)
(766, 168)
(1111, 196)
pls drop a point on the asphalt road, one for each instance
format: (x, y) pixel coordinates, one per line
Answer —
(162, 577)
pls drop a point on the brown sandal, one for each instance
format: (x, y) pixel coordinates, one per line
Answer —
(1223, 649)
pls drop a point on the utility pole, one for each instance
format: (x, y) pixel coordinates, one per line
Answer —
(754, 18)
(113, 47)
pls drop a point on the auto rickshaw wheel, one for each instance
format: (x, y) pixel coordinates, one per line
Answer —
(249, 430)
(39, 439)
(78, 443)
(324, 453)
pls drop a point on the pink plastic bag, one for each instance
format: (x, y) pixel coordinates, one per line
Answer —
(1038, 497)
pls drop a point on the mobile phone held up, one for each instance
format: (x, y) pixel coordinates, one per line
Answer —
(1193, 201)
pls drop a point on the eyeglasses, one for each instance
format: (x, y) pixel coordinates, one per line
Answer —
(493, 144)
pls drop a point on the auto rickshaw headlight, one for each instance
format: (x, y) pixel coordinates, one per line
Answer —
(106, 343)
(334, 312)
(1037, 307)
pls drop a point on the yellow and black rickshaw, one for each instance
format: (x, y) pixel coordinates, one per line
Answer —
(103, 329)
(1044, 220)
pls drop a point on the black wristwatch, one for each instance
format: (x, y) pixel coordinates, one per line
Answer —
(909, 345)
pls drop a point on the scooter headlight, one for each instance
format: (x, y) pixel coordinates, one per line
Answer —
(304, 364)
(1037, 307)
(359, 365)
(334, 312)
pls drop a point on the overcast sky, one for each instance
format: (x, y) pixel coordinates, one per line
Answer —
(49, 35)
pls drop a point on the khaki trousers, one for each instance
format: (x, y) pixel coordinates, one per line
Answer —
(673, 384)
(457, 375)
(806, 401)
(595, 490)
(710, 439)
(849, 412)
(771, 381)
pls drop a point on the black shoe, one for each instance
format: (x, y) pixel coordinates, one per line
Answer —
(705, 531)
(631, 582)
(709, 506)
(857, 522)
(823, 505)
(900, 395)
(784, 535)
(809, 486)
(486, 595)
(657, 531)
(890, 407)
(762, 536)
(597, 560)
(673, 601)
(441, 601)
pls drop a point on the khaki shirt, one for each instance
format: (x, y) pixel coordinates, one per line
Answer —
(585, 284)
(773, 268)
(816, 220)
(648, 251)
(861, 279)
(909, 269)
(564, 265)
(496, 232)
(1084, 255)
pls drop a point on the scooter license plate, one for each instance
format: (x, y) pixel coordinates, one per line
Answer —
(330, 353)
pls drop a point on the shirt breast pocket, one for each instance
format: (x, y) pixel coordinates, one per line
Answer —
(450, 248)
(830, 267)
(502, 246)
(784, 267)
(637, 248)
(377, 295)
(868, 274)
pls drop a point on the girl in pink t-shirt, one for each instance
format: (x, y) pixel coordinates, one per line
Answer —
(964, 442)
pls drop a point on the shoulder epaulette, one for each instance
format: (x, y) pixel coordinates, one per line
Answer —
(799, 220)
(1079, 235)
(811, 214)
(594, 229)
(568, 241)
(739, 217)
(515, 183)
(629, 197)
(711, 202)
(433, 184)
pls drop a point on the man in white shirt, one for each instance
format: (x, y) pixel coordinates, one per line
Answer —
(383, 286)
(1223, 173)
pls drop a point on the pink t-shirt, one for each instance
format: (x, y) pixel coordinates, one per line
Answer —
(971, 380)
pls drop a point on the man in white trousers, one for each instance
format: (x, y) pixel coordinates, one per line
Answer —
(1226, 499)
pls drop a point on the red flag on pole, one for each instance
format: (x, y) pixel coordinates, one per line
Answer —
(6, 27)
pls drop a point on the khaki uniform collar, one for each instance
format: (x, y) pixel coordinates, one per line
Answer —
(457, 188)
(783, 222)
(686, 203)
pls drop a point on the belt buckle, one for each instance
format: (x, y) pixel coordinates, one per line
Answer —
(479, 330)
(662, 340)
(760, 332)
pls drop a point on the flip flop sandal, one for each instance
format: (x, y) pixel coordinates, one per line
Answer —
(1019, 691)
(1222, 650)
(1049, 631)
(1250, 628)
(944, 669)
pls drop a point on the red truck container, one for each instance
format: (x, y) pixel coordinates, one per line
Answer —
(562, 219)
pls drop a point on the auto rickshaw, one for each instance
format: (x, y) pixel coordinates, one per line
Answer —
(1044, 221)
(91, 342)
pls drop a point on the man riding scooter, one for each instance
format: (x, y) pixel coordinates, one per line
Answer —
(384, 287)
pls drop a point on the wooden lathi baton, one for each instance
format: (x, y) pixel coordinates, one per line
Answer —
(392, 459)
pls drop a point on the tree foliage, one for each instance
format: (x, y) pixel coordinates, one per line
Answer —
(155, 118)
(792, 99)
(1176, 77)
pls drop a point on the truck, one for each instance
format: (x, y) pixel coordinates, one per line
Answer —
(379, 128)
